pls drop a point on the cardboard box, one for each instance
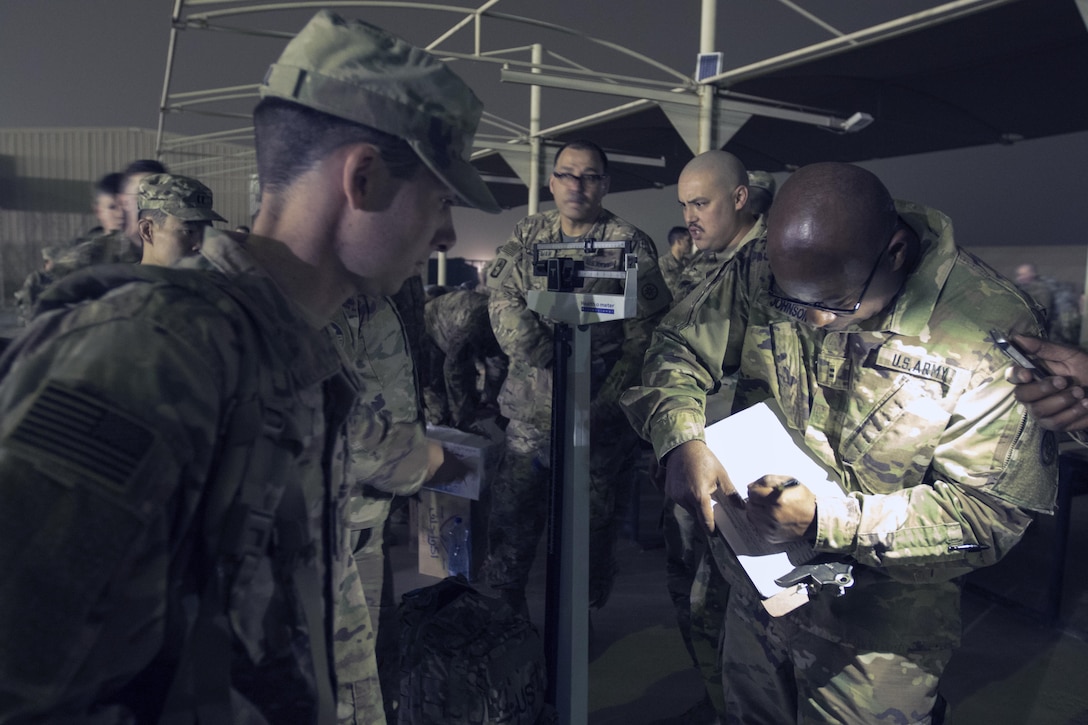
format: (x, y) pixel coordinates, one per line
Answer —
(437, 513)
(479, 454)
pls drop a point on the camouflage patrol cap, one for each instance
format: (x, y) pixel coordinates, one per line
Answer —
(361, 73)
(762, 180)
(179, 196)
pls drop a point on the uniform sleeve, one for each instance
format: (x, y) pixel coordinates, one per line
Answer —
(992, 467)
(387, 436)
(687, 356)
(519, 331)
(106, 438)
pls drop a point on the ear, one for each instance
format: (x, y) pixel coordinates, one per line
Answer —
(363, 176)
(740, 197)
(902, 247)
(145, 227)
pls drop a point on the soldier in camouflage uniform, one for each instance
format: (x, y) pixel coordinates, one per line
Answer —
(870, 329)
(520, 491)
(674, 263)
(761, 188)
(713, 193)
(459, 329)
(390, 456)
(174, 211)
(173, 459)
(1058, 298)
(117, 246)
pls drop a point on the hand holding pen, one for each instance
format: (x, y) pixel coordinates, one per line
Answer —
(781, 509)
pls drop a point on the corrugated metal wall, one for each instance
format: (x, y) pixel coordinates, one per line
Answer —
(47, 180)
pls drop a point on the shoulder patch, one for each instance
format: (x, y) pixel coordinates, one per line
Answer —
(498, 271)
(649, 291)
(69, 428)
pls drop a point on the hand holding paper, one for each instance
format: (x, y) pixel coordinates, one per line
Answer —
(693, 475)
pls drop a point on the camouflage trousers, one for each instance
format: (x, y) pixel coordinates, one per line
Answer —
(708, 594)
(520, 500)
(774, 671)
(376, 573)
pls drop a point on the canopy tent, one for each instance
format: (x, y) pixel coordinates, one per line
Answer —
(1008, 73)
(962, 73)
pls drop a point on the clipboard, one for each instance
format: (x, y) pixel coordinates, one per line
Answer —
(750, 444)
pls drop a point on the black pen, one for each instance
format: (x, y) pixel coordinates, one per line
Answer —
(968, 548)
(788, 483)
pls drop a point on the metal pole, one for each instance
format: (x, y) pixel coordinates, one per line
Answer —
(534, 133)
(707, 90)
(566, 617)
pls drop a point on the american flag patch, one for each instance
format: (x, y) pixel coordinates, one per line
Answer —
(80, 432)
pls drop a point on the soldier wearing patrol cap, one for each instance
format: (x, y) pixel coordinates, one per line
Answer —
(174, 212)
(866, 324)
(761, 188)
(182, 549)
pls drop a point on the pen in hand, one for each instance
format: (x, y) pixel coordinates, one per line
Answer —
(788, 483)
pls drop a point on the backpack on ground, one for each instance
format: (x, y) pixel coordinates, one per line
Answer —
(468, 659)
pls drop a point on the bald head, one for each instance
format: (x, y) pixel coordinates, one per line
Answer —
(834, 240)
(831, 210)
(721, 167)
(713, 193)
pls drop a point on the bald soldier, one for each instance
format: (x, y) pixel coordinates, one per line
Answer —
(870, 329)
(173, 212)
(716, 199)
(713, 194)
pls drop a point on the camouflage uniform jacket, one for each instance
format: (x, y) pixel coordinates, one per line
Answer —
(527, 338)
(124, 409)
(672, 270)
(111, 248)
(459, 325)
(910, 408)
(388, 437)
(703, 265)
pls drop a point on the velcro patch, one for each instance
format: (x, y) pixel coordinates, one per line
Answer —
(917, 363)
(78, 431)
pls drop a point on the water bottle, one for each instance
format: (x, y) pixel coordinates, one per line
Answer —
(458, 548)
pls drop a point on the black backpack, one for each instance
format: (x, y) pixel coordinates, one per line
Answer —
(468, 659)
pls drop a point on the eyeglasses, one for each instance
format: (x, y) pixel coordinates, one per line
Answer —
(778, 294)
(586, 179)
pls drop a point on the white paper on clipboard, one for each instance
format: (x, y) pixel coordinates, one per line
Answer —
(750, 444)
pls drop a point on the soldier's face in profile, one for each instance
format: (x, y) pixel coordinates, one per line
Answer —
(166, 243)
(396, 242)
(108, 211)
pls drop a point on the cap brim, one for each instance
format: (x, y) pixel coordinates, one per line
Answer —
(197, 215)
(464, 179)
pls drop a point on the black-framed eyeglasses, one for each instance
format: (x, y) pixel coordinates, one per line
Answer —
(573, 180)
(778, 294)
